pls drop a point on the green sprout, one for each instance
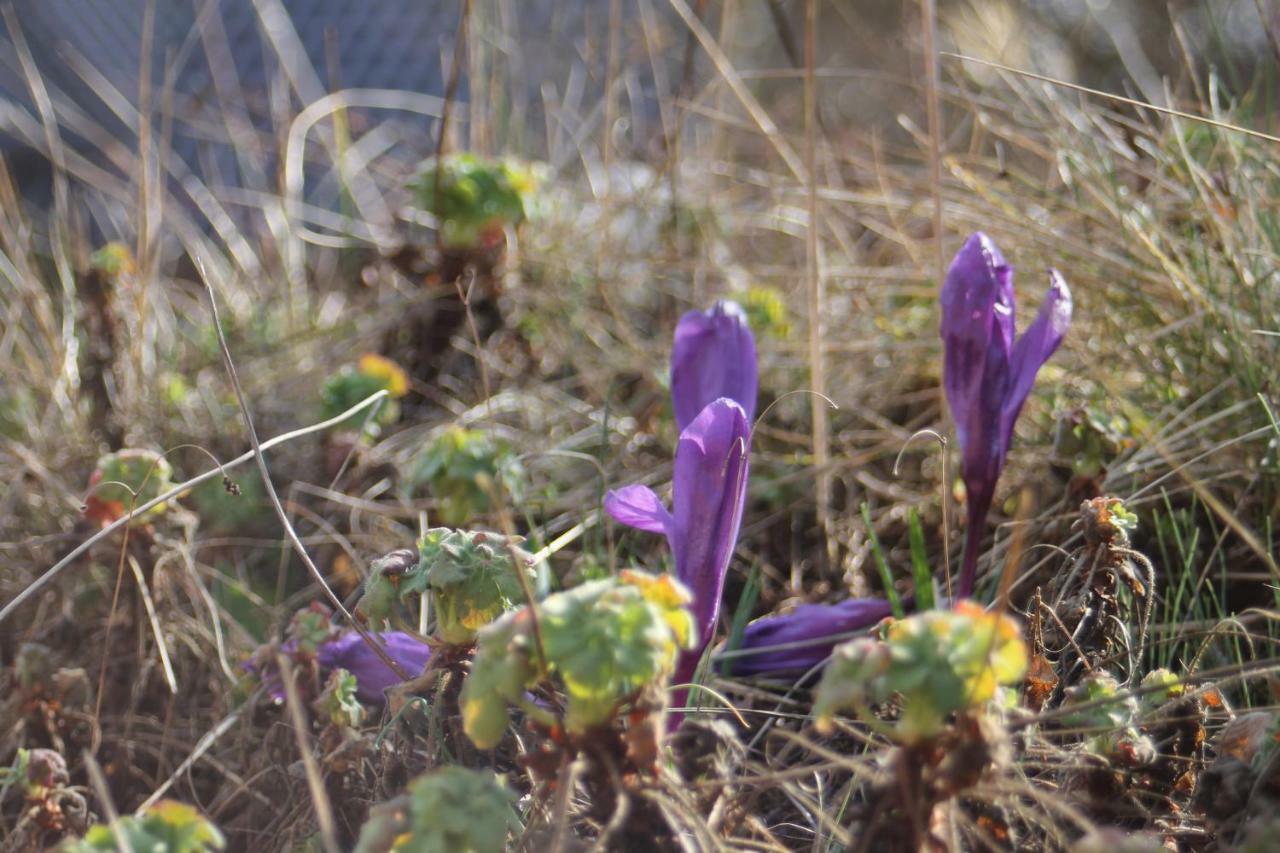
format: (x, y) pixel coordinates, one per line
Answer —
(350, 385)
(166, 827)
(461, 467)
(474, 199)
(606, 642)
(941, 662)
(338, 701)
(451, 810)
(1122, 517)
(126, 479)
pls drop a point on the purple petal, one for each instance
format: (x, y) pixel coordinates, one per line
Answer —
(816, 628)
(714, 356)
(977, 335)
(986, 376)
(352, 653)
(1035, 346)
(709, 490)
(637, 506)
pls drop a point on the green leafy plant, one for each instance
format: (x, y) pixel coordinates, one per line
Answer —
(310, 627)
(125, 479)
(941, 662)
(605, 642)
(166, 827)
(474, 198)
(471, 576)
(1108, 717)
(351, 384)
(451, 810)
(460, 469)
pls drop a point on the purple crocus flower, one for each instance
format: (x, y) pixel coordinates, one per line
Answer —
(714, 356)
(709, 489)
(714, 384)
(350, 652)
(986, 375)
(802, 639)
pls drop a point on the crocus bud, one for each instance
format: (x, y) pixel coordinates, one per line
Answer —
(986, 375)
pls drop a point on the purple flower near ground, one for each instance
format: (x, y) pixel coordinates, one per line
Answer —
(709, 489)
(350, 652)
(714, 356)
(796, 642)
(986, 375)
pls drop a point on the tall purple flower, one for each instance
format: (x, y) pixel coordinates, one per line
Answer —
(986, 375)
(714, 383)
(796, 642)
(709, 488)
(714, 356)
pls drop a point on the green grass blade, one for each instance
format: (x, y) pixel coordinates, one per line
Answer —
(886, 577)
(921, 571)
(741, 615)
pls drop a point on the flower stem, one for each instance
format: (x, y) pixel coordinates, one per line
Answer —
(979, 506)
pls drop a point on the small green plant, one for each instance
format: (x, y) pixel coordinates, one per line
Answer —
(474, 198)
(166, 827)
(310, 627)
(114, 259)
(338, 702)
(460, 469)
(1090, 440)
(471, 576)
(125, 479)
(605, 642)
(1108, 718)
(451, 810)
(941, 662)
(350, 385)
(767, 313)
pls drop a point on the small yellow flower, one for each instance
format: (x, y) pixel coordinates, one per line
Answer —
(114, 260)
(521, 178)
(669, 594)
(392, 375)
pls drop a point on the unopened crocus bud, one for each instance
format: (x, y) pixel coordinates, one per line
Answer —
(986, 374)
